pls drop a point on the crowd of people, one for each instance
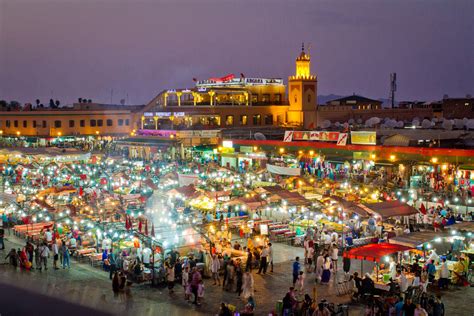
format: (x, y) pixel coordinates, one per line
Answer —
(35, 255)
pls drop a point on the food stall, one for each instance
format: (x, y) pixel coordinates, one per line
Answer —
(377, 253)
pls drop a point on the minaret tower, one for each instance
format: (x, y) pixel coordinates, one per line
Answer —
(302, 93)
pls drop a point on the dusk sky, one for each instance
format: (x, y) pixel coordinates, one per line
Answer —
(85, 48)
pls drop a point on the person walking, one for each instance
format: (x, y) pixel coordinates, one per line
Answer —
(247, 285)
(215, 266)
(195, 280)
(230, 276)
(13, 257)
(30, 250)
(319, 267)
(238, 278)
(170, 276)
(66, 256)
(44, 255)
(55, 250)
(300, 281)
(116, 284)
(326, 270)
(296, 270)
(186, 283)
(2, 235)
(37, 257)
(263, 261)
(334, 256)
(112, 264)
(270, 256)
(248, 264)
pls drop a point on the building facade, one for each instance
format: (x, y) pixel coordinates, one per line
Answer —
(230, 102)
(81, 119)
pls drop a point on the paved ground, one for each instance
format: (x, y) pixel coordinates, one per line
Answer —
(91, 288)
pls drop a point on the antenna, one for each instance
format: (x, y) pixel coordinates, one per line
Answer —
(393, 88)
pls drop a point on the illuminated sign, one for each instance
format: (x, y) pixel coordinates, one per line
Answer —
(168, 114)
(148, 114)
(228, 81)
(227, 144)
(364, 138)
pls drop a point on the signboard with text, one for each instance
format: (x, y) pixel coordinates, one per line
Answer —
(364, 138)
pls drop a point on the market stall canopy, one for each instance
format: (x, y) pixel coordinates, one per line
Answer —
(283, 170)
(150, 184)
(374, 252)
(463, 226)
(253, 202)
(7, 198)
(186, 191)
(416, 239)
(292, 198)
(349, 206)
(390, 209)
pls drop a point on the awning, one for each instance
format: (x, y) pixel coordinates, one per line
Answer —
(374, 252)
(390, 209)
(349, 206)
(463, 226)
(416, 239)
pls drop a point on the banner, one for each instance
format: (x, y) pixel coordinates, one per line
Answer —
(288, 136)
(342, 140)
(323, 136)
(284, 170)
(364, 138)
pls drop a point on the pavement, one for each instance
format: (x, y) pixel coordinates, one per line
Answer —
(86, 288)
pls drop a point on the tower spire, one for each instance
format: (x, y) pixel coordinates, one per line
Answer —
(302, 47)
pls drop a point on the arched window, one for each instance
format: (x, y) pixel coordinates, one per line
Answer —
(309, 98)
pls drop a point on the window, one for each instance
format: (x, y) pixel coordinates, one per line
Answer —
(243, 120)
(15, 123)
(269, 119)
(309, 98)
(45, 124)
(25, 124)
(57, 124)
(83, 123)
(127, 122)
(7, 123)
(34, 124)
(71, 123)
(254, 98)
(120, 122)
(93, 123)
(266, 98)
(277, 98)
(100, 122)
(257, 119)
(229, 120)
(109, 122)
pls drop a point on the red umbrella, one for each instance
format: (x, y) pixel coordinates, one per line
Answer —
(140, 226)
(146, 227)
(152, 230)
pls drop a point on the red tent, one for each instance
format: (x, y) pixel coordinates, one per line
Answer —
(374, 252)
